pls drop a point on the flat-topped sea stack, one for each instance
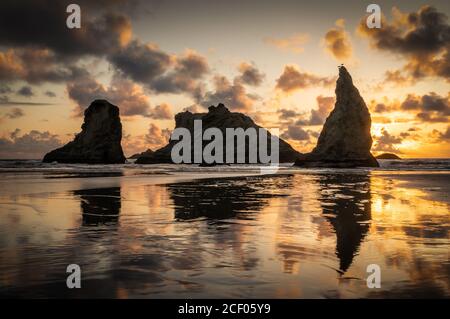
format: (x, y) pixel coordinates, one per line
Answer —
(345, 140)
(217, 117)
(99, 139)
(147, 153)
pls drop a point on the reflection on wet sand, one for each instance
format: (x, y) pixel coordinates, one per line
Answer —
(224, 198)
(293, 235)
(99, 206)
(345, 201)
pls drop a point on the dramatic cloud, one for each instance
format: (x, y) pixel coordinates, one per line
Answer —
(162, 112)
(431, 107)
(318, 116)
(292, 44)
(85, 91)
(295, 132)
(337, 42)
(29, 145)
(421, 37)
(128, 96)
(293, 79)
(141, 62)
(185, 77)
(102, 30)
(397, 77)
(233, 95)
(36, 66)
(36, 57)
(387, 142)
(156, 137)
(287, 115)
(26, 91)
(106, 34)
(250, 75)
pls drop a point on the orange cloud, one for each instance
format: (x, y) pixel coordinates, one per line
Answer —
(337, 42)
(292, 79)
(292, 44)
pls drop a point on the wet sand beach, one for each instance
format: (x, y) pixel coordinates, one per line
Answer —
(297, 234)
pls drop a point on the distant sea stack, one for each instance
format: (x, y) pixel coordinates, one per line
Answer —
(99, 139)
(390, 156)
(219, 117)
(345, 140)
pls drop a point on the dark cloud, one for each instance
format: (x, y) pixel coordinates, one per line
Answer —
(29, 145)
(42, 24)
(422, 37)
(293, 79)
(162, 112)
(233, 95)
(141, 62)
(381, 108)
(51, 51)
(318, 116)
(26, 91)
(397, 77)
(387, 142)
(127, 95)
(337, 42)
(54, 53)
(185, 76)
(36, 66)
(250, 75)
(295, 132)
(83, 92)
(287, 115)
(431, 107)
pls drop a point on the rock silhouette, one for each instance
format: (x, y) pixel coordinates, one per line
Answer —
(219, 117)
(388, 156)
(146, 153)
(99, 139)
(345, 140)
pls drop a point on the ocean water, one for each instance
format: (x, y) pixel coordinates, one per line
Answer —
(183, 231)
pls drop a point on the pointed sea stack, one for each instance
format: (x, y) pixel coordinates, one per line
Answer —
(345, 140)
(99, 140)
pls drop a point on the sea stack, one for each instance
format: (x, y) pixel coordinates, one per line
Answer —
(345, 140)
(217, 117)
(99, 139)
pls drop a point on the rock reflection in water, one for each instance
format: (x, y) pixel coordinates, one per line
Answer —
(99, 206)
(346, 205)
(224, 198)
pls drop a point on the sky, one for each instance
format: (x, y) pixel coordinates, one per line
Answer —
(275, 61)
